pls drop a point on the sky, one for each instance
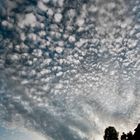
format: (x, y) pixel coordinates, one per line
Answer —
(19, 134)
(69, 68)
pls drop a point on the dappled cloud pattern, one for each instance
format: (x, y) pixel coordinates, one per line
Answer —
(70, 68)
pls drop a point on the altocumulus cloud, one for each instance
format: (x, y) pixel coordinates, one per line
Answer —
(70, 68)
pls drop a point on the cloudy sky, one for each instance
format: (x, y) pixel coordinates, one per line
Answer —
(16, 133)
(69, 68)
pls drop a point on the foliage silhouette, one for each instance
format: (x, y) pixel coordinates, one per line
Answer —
(136, 135)
(123, 136)
(112, 134)
(130, 136)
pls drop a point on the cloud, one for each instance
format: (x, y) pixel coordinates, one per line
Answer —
(69, 69)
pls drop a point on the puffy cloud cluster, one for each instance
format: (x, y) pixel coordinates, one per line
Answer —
(70, 68)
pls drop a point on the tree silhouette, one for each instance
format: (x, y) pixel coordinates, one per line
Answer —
(129, 136)
(136, 135)
(123, 136)
(111, 133)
